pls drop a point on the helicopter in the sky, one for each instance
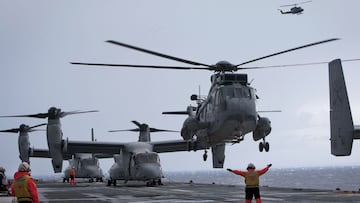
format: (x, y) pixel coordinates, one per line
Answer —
(137, 160)
(342, 129)
(228, 113)
(53, 133)
(295, 9)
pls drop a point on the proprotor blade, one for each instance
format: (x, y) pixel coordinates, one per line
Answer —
(136, 123)
(133, 130)
(289, 50)
(76, 112)
(157, 54)
(161, 130)
(35, 126)
(39, 115)
(13, 130)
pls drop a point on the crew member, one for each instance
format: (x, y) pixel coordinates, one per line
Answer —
(3, 180)
(24, 187)
(72, 175)
(251, 181)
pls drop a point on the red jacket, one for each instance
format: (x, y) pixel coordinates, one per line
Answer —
(251, 176)
(31, 186)
(243, 173)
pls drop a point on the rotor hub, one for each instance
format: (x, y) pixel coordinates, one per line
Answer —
(224, 66)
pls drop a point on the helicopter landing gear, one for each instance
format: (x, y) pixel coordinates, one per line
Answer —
(264, 145)
(205, 155)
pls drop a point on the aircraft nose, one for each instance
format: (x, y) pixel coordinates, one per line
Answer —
(241, 110)
(149, 171)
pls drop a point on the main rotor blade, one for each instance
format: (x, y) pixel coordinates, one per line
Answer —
(141, 66)
(289, 50)
(176, 112)
(157, 53)
(299, 64)
(39, 115)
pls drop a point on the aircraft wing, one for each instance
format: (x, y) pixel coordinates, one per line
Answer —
(107, 149)
(177, 146)
(44, 153)
(98, 148)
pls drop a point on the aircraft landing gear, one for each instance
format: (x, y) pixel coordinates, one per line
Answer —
(205, 155)
(109, 182)
(264, 145)
(153, 183)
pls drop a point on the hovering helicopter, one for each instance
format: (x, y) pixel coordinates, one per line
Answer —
(295, 9)
(227, 113)
(53, 133)
(342, 129)
(137, 160)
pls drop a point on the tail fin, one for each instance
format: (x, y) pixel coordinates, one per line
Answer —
(341, 123)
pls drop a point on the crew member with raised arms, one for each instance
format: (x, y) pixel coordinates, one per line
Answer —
(251, 181)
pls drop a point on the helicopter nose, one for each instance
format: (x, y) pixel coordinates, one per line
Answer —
(241, 110)
(148, 171)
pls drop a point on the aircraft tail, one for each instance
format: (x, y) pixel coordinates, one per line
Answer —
(341, 123)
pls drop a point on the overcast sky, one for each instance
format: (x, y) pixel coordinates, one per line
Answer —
(40, 38)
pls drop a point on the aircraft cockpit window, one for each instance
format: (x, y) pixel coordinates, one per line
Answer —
(236, 92)
(146, 158)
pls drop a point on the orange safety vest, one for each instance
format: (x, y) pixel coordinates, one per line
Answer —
(21, 186)
(72, 172)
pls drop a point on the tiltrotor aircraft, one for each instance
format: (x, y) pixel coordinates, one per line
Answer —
(137, 160)
(295, 9)
(54, 134)
(23, 140)
(342, 129)
(227, 113)
(86, 165)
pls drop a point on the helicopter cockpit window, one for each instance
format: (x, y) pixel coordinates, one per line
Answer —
(236, 92)
(146, 158)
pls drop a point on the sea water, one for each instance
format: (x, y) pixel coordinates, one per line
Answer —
(329, 178)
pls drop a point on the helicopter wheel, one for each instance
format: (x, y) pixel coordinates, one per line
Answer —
(261, 147)
(267, 146)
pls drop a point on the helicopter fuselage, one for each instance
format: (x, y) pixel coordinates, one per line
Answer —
(228, 113)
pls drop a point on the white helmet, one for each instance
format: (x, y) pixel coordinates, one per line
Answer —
(2, 169)
(251, 166)
(24, 167)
